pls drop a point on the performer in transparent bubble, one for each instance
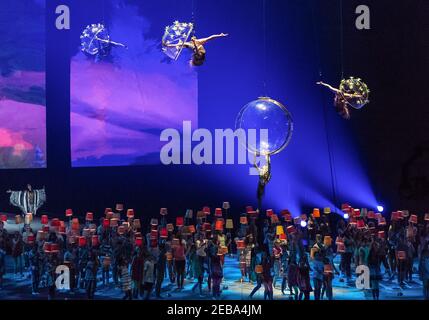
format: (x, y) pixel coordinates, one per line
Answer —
(270, 115)
(353, 92)
(95, 41)
(175, 39)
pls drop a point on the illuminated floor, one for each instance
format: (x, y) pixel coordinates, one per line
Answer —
(20, 288)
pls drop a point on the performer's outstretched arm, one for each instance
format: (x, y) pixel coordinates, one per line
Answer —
(116, 44)
(328, 86)
(212, 37)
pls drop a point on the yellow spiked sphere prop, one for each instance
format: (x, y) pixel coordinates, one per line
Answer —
(358, 88)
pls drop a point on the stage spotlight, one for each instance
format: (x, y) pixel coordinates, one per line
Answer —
(380, 208)
(346, 216)
(303, 223)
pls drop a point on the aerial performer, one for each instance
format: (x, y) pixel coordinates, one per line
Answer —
(176, 38)
(264, 172)
(29, 200)
(352, 92)
(197, 47)
(96, 42)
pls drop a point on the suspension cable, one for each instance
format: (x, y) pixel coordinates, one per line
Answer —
(264, 26)
(325, 111)
(341, 39)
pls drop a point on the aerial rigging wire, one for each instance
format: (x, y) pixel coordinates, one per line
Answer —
(329, 141)
(341, 38)
(193, 14)
(103, 12)
(264, 26)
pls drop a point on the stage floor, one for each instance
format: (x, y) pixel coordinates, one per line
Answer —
(20, 288)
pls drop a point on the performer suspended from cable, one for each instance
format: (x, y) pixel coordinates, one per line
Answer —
(264, 177)
(351, 93)
(110, 44)
(197, 47)
(29, 200)
(95, 41)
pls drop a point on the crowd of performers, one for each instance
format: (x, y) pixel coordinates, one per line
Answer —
(295, 255)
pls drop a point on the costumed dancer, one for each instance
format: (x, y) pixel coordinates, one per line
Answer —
(318, 268)
(35, 270)
(2, 264)
(91, 275)
(284, 268)
(277, 253)
(267, 277)
(216, 275)
(160, 266)
(304, 278)
(259, 276)
(148, 275)
(126, 284)
(374, 263)
(180, 261)
(29, 200)
(424, 271)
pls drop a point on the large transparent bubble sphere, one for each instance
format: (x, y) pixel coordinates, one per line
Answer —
(269, 114)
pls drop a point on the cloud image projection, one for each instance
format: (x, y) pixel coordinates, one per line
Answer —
(121, 103)
(22, 84)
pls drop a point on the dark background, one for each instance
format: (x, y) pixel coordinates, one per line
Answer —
(389, 139)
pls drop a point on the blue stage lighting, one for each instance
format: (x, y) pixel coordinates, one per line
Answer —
(346, 216)
(380, 208)
(303, 223)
